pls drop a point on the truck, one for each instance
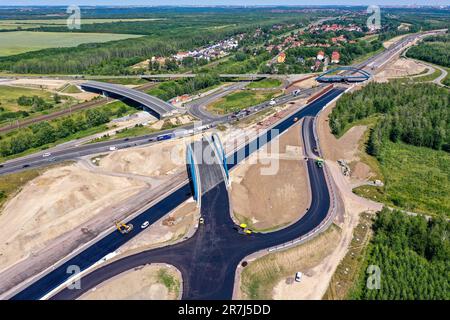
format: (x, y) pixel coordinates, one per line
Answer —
(164, 137)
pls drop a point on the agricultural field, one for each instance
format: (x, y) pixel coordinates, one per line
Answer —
(16, 42)
(31, 24)
(241, 100)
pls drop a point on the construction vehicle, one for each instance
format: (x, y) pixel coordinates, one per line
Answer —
(319, 162)
(123, 228)
(243, 229)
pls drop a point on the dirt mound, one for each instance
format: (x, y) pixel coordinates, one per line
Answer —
(156, 160)
(54, 203)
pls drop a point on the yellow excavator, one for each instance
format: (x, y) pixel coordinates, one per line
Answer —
(123, 228)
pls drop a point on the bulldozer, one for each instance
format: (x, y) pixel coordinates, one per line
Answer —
(123, 228)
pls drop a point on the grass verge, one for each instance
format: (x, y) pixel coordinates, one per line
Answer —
(260, 277)
(348, 270)
(241, 100)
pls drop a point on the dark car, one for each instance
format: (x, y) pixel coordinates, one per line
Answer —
(25, 166)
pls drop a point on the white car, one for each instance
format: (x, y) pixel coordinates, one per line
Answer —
(201, 220)
(272, 102)
(298, 276)
(47, 154)
(112, 148)
(145, 225)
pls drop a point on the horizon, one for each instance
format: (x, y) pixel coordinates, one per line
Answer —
(225, 3)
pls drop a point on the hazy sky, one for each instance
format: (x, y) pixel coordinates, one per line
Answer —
(225, 2)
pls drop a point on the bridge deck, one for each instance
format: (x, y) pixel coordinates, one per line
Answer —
(158, 106)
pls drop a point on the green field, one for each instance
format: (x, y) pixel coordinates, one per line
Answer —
(16, 42)
(31, 24)
(9, 96)
(264, 84)
(241, 100)
(416, 179)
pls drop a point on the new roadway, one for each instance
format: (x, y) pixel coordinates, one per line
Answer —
(208, 259)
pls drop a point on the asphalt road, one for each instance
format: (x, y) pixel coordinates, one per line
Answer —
(207, 260)
(73, 152)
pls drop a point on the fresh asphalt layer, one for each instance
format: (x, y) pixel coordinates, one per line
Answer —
(208, 259)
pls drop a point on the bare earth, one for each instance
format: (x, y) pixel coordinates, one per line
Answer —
(279, 197)
(309, 258)
(161, 159)
(170, 228)
(345, 148)
(72, 196)
(400, 68)
(139, 284)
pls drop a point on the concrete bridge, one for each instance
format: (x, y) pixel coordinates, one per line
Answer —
(151, 104)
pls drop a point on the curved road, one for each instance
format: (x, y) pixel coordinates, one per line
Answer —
(208, 260)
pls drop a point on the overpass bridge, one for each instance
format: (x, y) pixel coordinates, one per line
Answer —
(207, 165)
(344, 74)
(151, 104)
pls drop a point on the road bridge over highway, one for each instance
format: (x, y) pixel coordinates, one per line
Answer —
(344, 74)
(151, 104)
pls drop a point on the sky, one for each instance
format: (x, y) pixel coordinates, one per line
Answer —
(225, 2)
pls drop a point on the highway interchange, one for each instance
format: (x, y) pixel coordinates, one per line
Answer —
(208, 259)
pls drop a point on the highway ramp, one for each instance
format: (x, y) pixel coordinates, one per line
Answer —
(153, 105)
(207, 260)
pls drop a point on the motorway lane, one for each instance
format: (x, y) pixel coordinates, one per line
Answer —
(72, 153)
(197, 107)
(216, 207)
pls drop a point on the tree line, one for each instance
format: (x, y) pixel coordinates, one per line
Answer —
(412, 256)
(170, 89)
(434, 49)
(416, 114)
(45, 132)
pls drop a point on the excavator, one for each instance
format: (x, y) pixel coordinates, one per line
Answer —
(123, 228)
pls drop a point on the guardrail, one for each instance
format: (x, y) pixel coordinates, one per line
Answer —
(331, 190)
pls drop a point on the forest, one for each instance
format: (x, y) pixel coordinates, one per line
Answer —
(417, 114)
(412, 256)
(434, 49)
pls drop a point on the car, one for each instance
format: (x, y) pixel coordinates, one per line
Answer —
(296, 92)
(272, 102)
(25, 166)
(298, 276)
(201, 220)
(145, 224)
(1, 165)
(112, 148)
(126, 139)
(47, 154)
